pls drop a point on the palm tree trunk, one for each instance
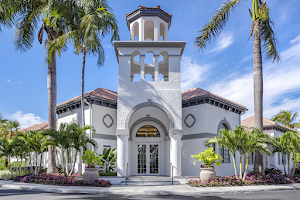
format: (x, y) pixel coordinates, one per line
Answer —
(234, 165)
(63, 161)
(288, 157)
(52, 92)
(35, 169)
(241, 165)
(284, 164)
(294, 169)
(246, 167)
(6, 163)
(41, 162)
(31, 169)
(82, 87)
(73, 167)
(258, 89)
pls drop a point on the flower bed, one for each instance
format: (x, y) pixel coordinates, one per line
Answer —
(250, 180)
(59, 179)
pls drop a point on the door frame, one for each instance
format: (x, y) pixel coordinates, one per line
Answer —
(147, 158)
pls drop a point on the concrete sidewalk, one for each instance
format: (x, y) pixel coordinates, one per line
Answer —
(184, 190)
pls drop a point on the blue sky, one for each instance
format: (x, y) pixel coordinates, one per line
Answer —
(224, 68)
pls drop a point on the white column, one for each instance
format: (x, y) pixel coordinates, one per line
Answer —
(142, 30)
(156, 67)
(156, 30)
(122, 154)
(175, 154)
(142, 58)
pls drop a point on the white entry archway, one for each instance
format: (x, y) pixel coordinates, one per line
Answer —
(148, 155)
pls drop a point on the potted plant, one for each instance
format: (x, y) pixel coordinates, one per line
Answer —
(91, 171)
(209, 157)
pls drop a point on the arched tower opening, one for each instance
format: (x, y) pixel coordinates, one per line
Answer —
(149, 30)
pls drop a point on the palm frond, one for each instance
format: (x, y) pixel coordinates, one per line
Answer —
(214, 27)
(269, 39)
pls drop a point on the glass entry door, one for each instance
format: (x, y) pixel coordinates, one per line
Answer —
(147, 159)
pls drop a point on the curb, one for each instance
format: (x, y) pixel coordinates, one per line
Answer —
(183, 190)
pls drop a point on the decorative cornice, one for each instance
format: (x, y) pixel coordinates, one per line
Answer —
(215, 101)
(148, 44)
(91, 99)
(148, 13)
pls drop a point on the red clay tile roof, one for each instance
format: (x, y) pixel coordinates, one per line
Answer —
(37, 127)
(197, 92)
(153, 8)
(111, 95)
(249, 123)
(99, 92)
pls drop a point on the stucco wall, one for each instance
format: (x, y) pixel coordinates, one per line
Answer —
(98, 112)
(208, 118)
(72, 115)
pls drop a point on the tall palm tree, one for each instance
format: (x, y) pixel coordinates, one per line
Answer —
(96, 22)
(21, 150)
(54, 16)
(263, 34)
(286, 117)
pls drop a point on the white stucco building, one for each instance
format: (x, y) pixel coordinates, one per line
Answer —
(153, 124)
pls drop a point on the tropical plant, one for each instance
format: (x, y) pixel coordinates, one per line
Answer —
(80, 141)
(226, 138)
(96, 20)
(21, 151)
(286, 117)
(280, 145)
(27, 137)
(92, 159)
(39, 146)
(209, 157)
(109, 160)
(253, 141)
(55, 17)
(2, 120)
(263, 34)
(6, 150)
(9, 128)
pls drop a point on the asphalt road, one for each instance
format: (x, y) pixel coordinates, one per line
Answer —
(9, 194)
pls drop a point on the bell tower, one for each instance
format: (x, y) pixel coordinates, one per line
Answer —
(149, 76)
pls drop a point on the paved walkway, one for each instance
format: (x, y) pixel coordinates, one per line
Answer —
(146, 190)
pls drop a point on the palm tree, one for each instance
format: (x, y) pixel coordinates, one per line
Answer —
(6, 150)
(55, 16)
(263, 34)
(21, 150)
(27, 137)
(39, 146)
(80, 141)
(228, 139)
(254, 141)
(2, 120)
(280, 145)
(96, 20)
(9, 129)
(286, 117)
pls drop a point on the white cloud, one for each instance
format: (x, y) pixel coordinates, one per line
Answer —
(281, 85)
(297, 39)
(191, 73)
(26, 119)
(225, 40)
(247, 58)
(9, 81)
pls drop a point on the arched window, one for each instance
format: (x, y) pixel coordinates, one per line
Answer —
(149, 30)
(223, 151)
(147, 131)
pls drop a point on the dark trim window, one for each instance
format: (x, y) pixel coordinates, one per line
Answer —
(251, 159)
(224, 152)
(148, 131)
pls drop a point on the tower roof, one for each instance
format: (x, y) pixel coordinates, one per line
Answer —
(148, 11)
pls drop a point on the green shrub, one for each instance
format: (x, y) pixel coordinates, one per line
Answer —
(108, 174)
(7, 175)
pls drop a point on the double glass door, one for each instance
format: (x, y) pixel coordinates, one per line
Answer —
(148, 159)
